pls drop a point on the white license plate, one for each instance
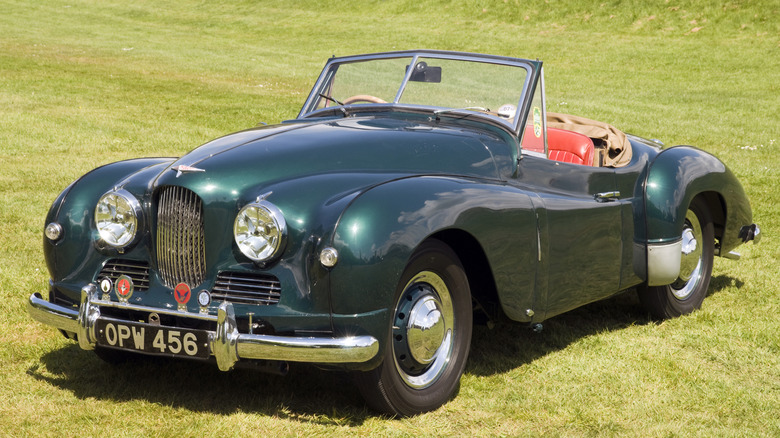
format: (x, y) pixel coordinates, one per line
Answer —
(152, 339)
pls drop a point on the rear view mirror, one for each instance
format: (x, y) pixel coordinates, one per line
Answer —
(423, 73)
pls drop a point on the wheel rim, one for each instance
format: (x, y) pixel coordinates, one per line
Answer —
(423, 330)
(692, 258)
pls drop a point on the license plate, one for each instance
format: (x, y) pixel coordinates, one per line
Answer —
(152, 339)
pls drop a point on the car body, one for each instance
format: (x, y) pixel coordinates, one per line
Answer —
(365, 233)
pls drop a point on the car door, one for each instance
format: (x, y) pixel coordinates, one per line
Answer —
(580, 232)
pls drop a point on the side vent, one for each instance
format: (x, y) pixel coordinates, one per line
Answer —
(137, 270)
(247, 288)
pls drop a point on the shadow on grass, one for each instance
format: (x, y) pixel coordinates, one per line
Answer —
(308, 393)
(510, 345)
(721, 282)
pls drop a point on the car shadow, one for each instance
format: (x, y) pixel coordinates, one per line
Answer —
(721, 282)
(509, 345)
(308, 393)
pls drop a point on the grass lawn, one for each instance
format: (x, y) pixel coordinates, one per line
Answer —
(84, 83)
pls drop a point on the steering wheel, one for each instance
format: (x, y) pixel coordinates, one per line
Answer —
(363, 98)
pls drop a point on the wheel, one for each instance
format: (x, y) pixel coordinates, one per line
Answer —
(429, 336)
(687, 293)
(363, 98)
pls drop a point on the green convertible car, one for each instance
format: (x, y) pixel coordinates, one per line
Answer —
(414, 191)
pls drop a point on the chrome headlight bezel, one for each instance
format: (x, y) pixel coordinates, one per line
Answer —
(119, 227)
(260, 231)
(53, 231)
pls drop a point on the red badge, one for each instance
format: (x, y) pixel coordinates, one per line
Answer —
(124, 287)
(182, 293)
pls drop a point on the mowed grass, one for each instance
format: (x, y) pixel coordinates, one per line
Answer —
(84, 83)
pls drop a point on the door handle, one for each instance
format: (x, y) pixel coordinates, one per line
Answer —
(607, 196)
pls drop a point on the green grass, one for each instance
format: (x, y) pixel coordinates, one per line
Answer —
(85, 83)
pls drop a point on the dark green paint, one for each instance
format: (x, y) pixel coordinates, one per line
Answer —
(375, 186)
(679, 174)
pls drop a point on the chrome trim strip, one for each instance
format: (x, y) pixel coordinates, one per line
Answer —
(158, 310)
(226, 344)
(663, 263)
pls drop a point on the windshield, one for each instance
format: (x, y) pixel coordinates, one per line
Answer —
(444, 83)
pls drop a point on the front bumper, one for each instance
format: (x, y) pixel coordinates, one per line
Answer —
(226, 344)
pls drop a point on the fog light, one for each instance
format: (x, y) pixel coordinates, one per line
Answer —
(53, 231)
(329, 257)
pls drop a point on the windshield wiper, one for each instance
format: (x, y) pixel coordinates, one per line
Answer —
(337, 102)
(468, 108)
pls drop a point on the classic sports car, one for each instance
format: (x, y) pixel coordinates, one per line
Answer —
(414, 190)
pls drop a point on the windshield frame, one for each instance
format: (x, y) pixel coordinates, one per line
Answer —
(532, 68)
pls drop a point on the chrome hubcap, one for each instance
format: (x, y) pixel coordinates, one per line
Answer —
(691, 262)
(423, 330)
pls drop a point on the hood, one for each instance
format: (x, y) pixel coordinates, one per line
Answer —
(363, 145)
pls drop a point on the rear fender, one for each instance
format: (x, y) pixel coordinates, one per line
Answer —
(676, 177)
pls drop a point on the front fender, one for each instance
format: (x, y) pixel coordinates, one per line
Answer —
(381, 228)
(74, 208)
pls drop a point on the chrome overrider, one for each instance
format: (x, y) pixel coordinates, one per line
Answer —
(227, 345)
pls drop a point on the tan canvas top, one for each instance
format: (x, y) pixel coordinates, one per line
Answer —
(615, 142)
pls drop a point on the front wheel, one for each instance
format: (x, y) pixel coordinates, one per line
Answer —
(687, 293)
(429, 336)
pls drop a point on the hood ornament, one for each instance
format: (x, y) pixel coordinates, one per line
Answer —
(182, 168)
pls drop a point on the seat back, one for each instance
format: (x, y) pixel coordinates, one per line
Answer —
(569, 147)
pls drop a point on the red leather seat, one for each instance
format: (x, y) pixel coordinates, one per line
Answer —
(569, 147)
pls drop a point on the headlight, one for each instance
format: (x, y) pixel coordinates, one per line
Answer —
(116, 217)
(260, 231)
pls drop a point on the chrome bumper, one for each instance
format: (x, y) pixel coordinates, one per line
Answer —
(227, 345)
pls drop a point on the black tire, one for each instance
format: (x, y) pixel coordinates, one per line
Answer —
(426, 353)
(687, 293)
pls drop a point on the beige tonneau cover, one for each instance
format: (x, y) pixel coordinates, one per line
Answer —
(612, 146)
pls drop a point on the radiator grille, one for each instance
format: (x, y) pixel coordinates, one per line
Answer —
(247, 288)
(181, 254)
(137, 270)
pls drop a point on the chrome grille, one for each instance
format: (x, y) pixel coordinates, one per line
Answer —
(181, 254)
(247, 288)
(137, 270)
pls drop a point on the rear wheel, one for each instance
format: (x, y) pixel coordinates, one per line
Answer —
(686, 293)
(429, 336)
